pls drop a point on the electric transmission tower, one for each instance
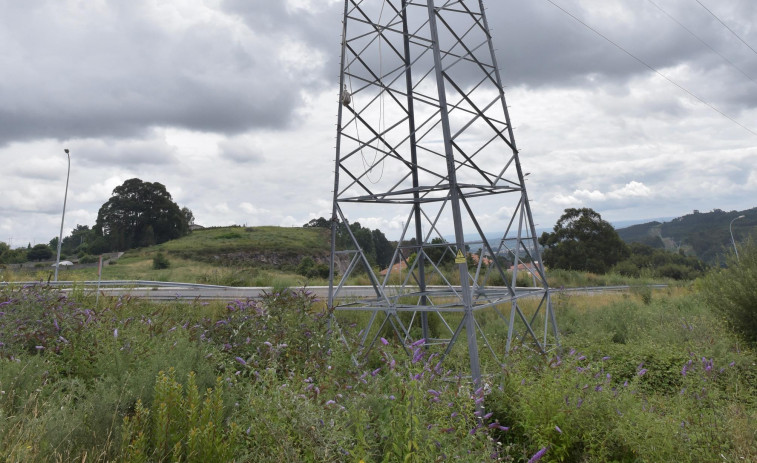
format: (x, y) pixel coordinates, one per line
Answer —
(424, 137)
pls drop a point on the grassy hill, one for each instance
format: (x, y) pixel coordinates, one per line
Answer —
(705, 235)
(215, 243)
(228, 256)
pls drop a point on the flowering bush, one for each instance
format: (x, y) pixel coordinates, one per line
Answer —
(643, 382)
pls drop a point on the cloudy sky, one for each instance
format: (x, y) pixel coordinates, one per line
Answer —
(231, 104)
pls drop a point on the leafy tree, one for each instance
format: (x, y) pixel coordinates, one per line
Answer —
(320, 222)
(384, 248)
(188, 215)
(374, 243)
(39, 252)
(12, 256)
(140, 214)
(581, 240)
(660, 263)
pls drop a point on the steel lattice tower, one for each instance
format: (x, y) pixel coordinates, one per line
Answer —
(424, 135)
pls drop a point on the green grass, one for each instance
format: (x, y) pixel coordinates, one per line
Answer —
(285, 240)
(641, 379)
(228, 256)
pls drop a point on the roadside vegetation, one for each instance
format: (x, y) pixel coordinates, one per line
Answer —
(643, 376)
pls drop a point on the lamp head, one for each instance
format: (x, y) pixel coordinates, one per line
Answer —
(66, 150)
(741, 217)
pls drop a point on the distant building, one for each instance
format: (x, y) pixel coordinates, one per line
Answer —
(193, 226)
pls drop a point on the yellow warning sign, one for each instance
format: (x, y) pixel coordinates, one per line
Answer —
(460, 258)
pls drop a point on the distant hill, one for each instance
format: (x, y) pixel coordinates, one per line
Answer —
(702, 234)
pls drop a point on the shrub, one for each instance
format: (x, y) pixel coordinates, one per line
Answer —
(732, 292)
(160, 261)
(88, 259)
(311, 269)
(628, 269)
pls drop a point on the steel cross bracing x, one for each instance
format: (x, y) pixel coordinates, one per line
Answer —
(424, 138)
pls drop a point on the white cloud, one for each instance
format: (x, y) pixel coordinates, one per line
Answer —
(232, 105)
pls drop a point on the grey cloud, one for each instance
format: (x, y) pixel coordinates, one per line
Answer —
(239, 151)
(120, 71)
(124, 153)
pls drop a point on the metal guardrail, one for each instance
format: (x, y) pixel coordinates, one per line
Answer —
(168, 290)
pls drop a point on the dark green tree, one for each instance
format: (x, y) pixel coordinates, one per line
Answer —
(4, 248)
(188, 215)
(12, 256)
(39, 252)
(384, 248)
(320, 222)
(139, 214)
(581, 240)
(378, 249)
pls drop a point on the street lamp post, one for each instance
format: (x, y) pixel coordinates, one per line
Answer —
(730, 227)
(63, 217)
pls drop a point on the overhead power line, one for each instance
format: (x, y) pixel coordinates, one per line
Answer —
(726, 26)
(693, 34)
(651, 68)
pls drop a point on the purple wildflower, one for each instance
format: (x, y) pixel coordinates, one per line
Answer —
(384, 341)
(493, 425)
(504, 428)
(642, 372)
(433, 392)
(538, 455)
(557, 428)
(418, 343)
(240, 360)
(606, 358)
(375, 372)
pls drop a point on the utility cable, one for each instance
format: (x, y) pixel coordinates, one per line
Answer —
(703, 42)
(726, 26)
(644, 63)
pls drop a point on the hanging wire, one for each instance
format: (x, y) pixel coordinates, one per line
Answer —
(369, 166)
(727, 27)
(653, 69)
(703, 42)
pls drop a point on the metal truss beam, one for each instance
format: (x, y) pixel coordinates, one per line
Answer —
(423, 132)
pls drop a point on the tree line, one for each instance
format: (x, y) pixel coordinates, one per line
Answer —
(137, 214)
(582, 240)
